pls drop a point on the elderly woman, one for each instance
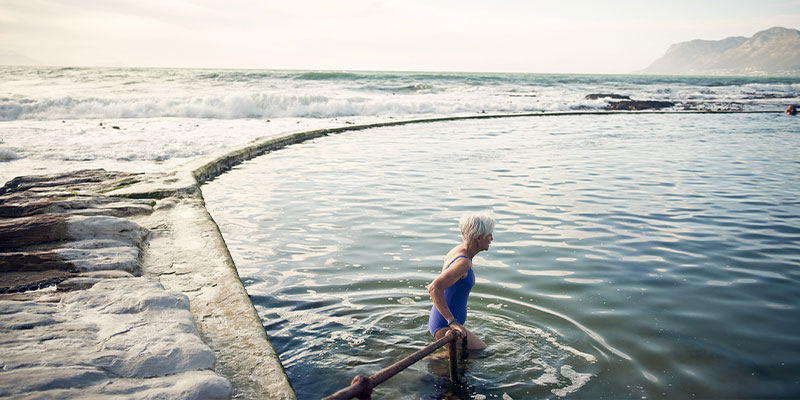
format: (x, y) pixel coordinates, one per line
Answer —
(450, 290)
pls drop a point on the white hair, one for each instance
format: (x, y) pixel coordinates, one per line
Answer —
(475, 225)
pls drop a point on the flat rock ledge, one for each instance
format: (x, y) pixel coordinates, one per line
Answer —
(110, 288)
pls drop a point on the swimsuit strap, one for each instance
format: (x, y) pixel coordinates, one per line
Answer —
(454, 260)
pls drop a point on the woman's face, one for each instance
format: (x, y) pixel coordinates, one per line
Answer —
(483, 242)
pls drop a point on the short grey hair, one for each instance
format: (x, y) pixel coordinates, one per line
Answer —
(475, 225)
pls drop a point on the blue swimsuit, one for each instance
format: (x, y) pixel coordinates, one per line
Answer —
(456, 297)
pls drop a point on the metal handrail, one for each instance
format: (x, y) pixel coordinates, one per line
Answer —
(362, 385)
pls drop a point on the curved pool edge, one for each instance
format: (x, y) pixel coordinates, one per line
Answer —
(209, 170)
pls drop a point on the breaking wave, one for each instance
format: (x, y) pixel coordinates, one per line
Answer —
(7, 155)
(243, 105)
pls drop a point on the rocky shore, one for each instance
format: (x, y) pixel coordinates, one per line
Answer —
(119, 285)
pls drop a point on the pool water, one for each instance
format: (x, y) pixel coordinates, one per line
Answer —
(635, 256)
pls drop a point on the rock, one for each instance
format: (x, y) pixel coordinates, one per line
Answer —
(105, 333)
(125, 296)
(124, 337)
(35, 379)
(637, 105)
(89, 180)
(152, 327)
(25, 231)
(123, 210)
(11, 210)
(97, 205)
(595, 96)
(97, 244)
(44, 228)
(25, 320)
(47, 295)
(105, 227)
(49, 230)
(124, 258)
(192, 385)
(13, 282)
(33, 261)
(107, 274)
(78, 283)
(11, 307)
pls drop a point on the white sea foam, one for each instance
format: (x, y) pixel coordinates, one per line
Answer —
(7, 155)
(263, 105)
(348, 337)
(577, 380)
(139, 145)
(549, 376)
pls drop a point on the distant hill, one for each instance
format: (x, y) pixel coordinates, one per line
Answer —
(11, 58)
(773, 52)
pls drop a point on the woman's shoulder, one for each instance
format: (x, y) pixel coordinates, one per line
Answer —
(456, 258)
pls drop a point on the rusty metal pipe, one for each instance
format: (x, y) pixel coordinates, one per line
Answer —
(361, 386)
(453, 350)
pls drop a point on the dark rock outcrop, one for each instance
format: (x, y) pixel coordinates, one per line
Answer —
(89, 180)
(33, 261)
(596, 96)
(52, 227)
(638, 105)
(36, 229)
(13, 210)
(14, 282)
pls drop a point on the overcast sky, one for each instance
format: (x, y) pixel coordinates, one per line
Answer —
(574, 36)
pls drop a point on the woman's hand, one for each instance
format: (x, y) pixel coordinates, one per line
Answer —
(455, 326)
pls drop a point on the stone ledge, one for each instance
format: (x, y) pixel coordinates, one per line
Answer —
(105, 332)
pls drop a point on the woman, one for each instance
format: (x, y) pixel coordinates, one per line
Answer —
(450, 290)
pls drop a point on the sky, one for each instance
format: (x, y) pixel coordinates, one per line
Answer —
(577, 36)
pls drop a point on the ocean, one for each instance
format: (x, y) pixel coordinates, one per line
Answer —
(636, 255)
(147, 120)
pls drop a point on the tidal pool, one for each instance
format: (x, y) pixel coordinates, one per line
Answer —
(635, 256)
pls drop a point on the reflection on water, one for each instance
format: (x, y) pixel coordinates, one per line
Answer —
(652, 256)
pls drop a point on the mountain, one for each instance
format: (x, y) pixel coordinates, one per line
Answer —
(775, 51)
(11, 58)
